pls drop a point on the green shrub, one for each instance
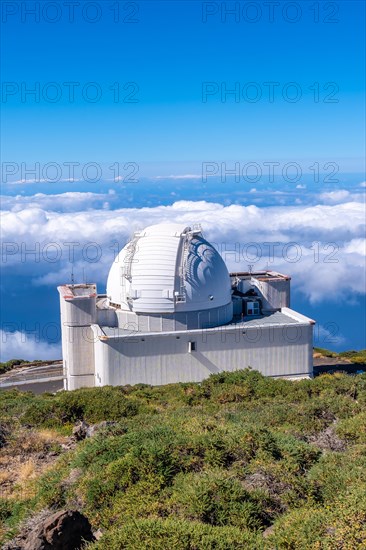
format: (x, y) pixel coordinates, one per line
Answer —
(12, 512)
(8, 365)
(178, 534)
(90, 404)
(205, 465)
(353, 429)
(326, 352)
(355, 356)
(216, 498)
(299, 529)
(299, 453)
(335, 473)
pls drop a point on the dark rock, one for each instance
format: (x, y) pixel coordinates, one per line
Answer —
(265, 480)
(66, 529)
(80, 430)
(3, 435)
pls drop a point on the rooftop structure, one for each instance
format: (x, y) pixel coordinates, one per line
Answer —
(172, 312)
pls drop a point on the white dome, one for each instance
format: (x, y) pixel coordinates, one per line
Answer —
(168, 268)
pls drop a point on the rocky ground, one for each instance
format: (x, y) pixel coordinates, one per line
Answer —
(61, 530)
(26, 454)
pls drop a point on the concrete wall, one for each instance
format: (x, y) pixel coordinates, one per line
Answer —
(178, 321)
(274, 293)
(77, 315)
(107, 317)
(284, 351)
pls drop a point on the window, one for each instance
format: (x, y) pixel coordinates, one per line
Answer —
(253, 308)
(191, 347)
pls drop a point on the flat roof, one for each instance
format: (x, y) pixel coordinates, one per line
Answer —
(282, 318)
(260, 275)
(72, 292)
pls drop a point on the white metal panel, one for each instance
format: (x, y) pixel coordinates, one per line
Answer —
(207, 280)
(163, 359)
(169, 268)
(154, 273)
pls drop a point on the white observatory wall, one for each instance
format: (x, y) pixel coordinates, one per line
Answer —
(159, 322)
(77, 341)
(275, 294)
(283, 351)
(156, 361)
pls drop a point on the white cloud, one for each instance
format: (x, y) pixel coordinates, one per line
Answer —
(341, 196)
(331, 275)
(43, 180)
(363, 184)
(334, 197)
(357, 246)
(70, 201)
(180, 177)
(325, 270)
(20, 345)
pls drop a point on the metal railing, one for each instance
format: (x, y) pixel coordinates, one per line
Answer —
(127, 267)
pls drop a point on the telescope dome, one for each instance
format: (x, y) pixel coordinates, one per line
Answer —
(168, 268)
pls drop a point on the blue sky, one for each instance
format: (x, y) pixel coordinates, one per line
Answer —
(174, 124)
(169, 52)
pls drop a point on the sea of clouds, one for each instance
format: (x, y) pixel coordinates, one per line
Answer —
(322, 246)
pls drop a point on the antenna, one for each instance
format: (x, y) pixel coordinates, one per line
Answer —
(72, 275)
(84, 280)
(250, 268)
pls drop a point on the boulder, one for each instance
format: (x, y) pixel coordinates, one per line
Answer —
(66, 529)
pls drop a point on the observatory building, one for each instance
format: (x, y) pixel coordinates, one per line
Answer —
(173, 313)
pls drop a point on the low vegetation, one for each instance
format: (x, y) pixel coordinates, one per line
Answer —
(352, 356)
(238, 461)
(9, 365)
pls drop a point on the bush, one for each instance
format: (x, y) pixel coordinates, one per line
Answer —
(300, 529)
(90, 404)
(353, 429)
(216, 498)
(208, 465)
(178, 534)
